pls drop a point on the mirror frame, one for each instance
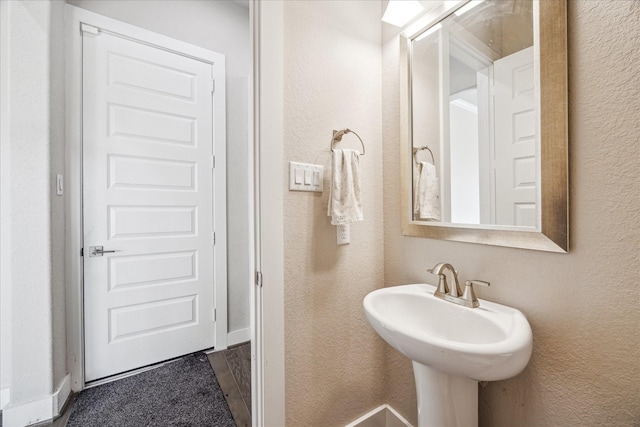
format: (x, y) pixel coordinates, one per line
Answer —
(553, 235)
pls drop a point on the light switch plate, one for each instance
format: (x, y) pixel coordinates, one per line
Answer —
(305, 177)
(59, 185)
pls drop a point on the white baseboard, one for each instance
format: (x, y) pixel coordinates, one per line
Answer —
(238, 337)
(61, 395)
(44, 409)
(382, 416)
(5, 393)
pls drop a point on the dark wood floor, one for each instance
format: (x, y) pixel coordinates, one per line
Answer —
(233, 371)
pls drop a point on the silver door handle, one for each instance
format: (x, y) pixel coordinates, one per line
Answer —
(98, 251)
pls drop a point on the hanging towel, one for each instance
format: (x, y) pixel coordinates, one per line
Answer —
(426, 194)
(345, 205)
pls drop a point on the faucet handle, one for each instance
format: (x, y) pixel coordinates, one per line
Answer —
(477, 282)
(443, 286)
(469, 295)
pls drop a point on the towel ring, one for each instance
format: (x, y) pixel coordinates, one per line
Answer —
(337, 137)
(416, 149)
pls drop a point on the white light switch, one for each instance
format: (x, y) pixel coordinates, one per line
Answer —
(59, 185)
(305, 177)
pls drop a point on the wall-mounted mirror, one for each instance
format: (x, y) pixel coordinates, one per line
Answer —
(485, 125)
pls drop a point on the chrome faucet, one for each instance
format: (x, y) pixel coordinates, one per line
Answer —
(454, 294)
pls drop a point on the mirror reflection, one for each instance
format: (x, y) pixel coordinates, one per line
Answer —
(474, 117)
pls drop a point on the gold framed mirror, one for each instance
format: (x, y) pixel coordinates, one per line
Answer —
(427, 125)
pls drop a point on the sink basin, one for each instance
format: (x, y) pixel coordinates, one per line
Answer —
(491, 342)
(452, 347)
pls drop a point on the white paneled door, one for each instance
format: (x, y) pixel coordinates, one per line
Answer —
(516, 137)
(148, 203)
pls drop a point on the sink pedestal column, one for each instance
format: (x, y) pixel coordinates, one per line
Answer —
(445, 400)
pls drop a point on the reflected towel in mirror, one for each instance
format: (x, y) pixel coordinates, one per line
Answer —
(426, 203)
(345, 205)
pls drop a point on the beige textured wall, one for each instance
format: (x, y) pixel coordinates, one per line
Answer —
(582, 306)
(332, 80)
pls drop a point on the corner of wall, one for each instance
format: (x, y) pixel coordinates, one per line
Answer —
(270, 305)
(401, 395)
(32, 292)
(332, 81)
(57, 166)
(5, 219)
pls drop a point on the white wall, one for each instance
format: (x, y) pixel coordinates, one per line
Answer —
(33, 372)
(268, 390)
(465, 176)
(223, 27)
(32, 217)
(5, 211)
(57, 153)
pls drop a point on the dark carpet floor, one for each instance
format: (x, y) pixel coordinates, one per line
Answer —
(182, 393)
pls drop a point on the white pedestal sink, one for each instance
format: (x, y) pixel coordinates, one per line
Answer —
(452, 347)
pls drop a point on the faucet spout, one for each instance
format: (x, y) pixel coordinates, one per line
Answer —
(443, 288)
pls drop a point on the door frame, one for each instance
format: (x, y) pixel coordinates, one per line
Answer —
(74, 16)
(267, 304)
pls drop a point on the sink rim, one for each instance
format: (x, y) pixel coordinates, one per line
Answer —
(511, 343)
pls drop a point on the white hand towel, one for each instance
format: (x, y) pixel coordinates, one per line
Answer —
(426, 193)
(345, 205)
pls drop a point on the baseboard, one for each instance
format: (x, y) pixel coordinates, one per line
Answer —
(61, 395)
(5, 393)
(382, 416)
(238, 337)
(44, 409)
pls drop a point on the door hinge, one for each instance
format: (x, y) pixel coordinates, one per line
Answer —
(213, 162)
(86, 28)
(81, 251)
(213, 86)
(258, 279)
(215, 314)
(213, 238)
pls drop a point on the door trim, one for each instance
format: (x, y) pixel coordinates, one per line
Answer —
(268, 384)
(74, 16)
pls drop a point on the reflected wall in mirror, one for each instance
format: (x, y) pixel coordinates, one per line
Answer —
(472, 94)
(486, 125)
